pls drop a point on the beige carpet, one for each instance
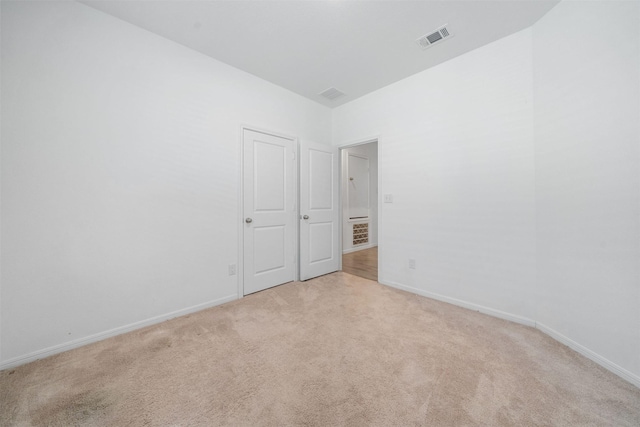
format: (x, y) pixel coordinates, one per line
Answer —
(335, 351)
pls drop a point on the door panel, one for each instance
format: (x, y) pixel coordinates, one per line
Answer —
(268, 248)
(320, 179)
(268, 211)
(319, 233)
(269, 176)
(321, 242)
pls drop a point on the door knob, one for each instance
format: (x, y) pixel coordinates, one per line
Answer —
(248, 220)
(305, 217)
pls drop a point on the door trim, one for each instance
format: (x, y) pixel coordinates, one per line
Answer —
(240, 207)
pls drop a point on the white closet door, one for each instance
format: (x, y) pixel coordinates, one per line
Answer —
(319, 210)
(269, 211)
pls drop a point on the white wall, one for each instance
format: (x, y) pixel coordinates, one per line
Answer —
(525, 210)
(456, 152)
(587, 136)
(120, 160)
(370, 151)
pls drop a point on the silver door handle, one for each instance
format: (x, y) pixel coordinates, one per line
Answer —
(248, 220)
(305, 217)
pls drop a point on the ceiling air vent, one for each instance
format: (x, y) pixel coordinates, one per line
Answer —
(332, 93)
(437, 36)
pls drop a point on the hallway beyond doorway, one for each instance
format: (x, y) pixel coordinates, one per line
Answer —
(362, 263)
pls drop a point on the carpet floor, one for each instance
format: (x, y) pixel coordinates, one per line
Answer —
(338, 350)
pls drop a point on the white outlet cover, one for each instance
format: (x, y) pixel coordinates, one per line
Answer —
(388, 198)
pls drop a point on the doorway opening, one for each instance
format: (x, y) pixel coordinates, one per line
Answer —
(359, 189)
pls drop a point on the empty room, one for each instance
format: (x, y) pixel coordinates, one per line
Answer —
(328, 213)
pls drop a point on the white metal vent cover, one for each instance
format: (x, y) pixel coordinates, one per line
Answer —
(437, 36)
(332, 93)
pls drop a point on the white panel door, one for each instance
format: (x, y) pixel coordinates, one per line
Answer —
(269, 207)
(319, 210)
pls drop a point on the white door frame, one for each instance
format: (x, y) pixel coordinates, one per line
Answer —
(240, 216)
(341, 147)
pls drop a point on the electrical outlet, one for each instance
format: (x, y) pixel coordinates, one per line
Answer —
(388, 198)
(232, 269)
(412, 263)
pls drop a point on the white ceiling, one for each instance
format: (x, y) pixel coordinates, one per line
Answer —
(310, 46)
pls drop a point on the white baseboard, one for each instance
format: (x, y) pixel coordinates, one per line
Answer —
(359, 248)
(589, 354)
(460, 303)
(579, 348)
(595, 357)
(50, 351)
